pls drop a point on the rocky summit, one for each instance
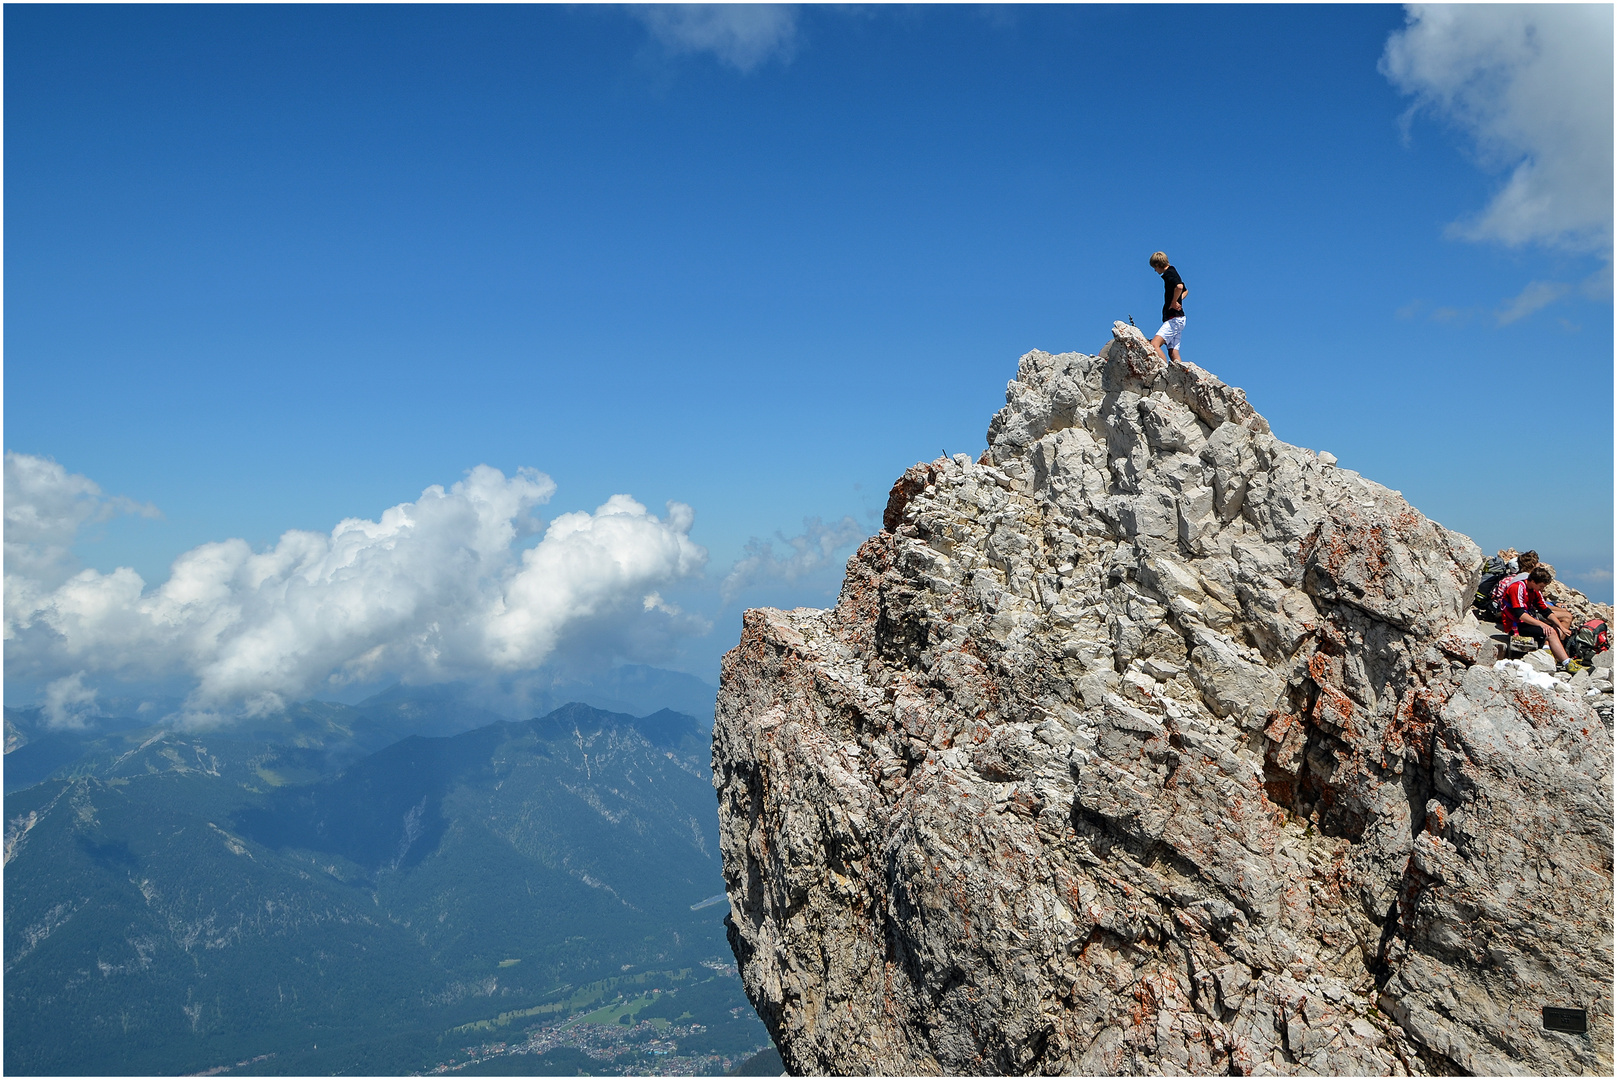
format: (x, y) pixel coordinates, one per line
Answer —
(1149, 743)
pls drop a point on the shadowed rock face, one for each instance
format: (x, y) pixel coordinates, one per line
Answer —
(1150, 743)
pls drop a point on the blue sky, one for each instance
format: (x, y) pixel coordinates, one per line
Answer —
(269, 268)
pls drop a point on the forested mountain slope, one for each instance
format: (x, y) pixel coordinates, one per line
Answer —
(192, 900)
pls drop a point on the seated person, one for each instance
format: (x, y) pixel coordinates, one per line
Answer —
(1527, 562)
(1524, 612)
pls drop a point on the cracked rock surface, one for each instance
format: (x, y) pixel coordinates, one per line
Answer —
(1149, 743)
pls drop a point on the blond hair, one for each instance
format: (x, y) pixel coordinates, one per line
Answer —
(1159, 260)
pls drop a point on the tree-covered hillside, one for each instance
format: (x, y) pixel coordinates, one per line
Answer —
(179, 902)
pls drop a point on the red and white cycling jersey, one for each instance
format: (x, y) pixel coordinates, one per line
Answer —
(1520, 595)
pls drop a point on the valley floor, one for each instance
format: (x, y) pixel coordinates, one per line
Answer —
(577, 1048)
(670, 1023)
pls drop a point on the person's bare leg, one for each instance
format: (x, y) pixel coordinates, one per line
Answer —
(1557, 650)
(1156, 343)
(1563, 620)
(1173, 354)
(1552, 637)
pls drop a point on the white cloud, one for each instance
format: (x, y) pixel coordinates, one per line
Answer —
(45, 508)
(68, 702)
(809, 551)
(435, 588)
(741, 35)
(586, 566)
(1532, 86)
(1537, 295)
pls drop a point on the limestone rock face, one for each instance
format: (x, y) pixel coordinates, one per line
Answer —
(1149, 743)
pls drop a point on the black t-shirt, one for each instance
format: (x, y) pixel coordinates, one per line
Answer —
(1170, 283)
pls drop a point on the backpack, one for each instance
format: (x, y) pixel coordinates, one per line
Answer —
(1494, 570)
(1587, 640)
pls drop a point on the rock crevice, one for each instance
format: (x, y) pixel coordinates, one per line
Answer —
(1150, 743)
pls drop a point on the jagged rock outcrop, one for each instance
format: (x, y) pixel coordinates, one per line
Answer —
(1150, 743)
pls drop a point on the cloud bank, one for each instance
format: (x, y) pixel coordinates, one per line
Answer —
(442, 587)
(744, 36)
(1531, 85)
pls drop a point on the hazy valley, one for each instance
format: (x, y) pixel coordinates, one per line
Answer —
(288, 896)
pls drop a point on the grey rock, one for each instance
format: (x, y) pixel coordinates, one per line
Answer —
(1540, 660)
(1149, 743)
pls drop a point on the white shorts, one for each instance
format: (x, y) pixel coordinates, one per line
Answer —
(1171, 330)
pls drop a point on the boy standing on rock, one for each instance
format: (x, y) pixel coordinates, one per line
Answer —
(1173, 308)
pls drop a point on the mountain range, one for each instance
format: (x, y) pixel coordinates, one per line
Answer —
(35, 749)
(283, 896)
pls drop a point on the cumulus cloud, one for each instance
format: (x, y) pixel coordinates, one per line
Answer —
(46, 506)
(68, 702)
(807, 552)
(1531, 85)
(741, 35)
(436, 588)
